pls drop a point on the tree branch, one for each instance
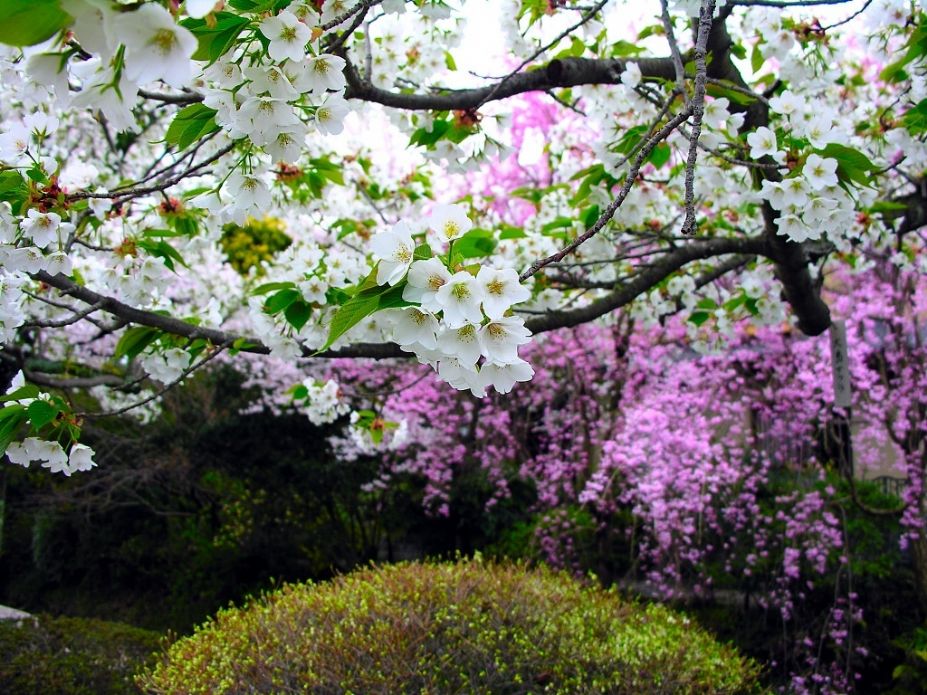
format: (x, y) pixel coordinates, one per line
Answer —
(559, 73)
(629, 291)
(169, 324)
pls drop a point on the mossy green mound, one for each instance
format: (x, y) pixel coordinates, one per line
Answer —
(467, 627)
(72, 656)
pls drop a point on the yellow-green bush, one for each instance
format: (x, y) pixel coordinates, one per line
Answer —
(467, 627)
(72, 656)
(255, 241)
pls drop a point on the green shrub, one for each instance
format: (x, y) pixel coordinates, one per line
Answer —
(72, 656)
(467, 627)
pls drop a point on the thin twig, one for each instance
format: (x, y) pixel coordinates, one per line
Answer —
(610, 211)
(674, 48)
(157, 394)
(706, 13)
(550, 44)
(61, 323)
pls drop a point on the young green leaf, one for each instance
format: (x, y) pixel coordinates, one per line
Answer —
(190, 124)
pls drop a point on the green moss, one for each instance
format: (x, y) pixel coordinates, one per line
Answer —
(438, 628)
(72, 656)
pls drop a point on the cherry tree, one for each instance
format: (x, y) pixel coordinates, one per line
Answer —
(700, 142)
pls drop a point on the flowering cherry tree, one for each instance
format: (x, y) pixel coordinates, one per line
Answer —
(643, 166)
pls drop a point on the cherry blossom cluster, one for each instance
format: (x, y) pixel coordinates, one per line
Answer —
(457, 320)
(48, 453)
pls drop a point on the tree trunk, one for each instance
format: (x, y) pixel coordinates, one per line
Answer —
(919, 556)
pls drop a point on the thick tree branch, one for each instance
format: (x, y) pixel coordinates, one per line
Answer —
(621, 296)
(169, 324)
(627, 292)
(790, 258)
(566, 72)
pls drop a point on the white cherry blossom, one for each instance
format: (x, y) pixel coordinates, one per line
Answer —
(199, 8)
(503, 377)
(157, 48)
(462, 343)
(819, 172)
(449, 222)
(499, 339)
(80, 459)
(330, 114)
(43, 227)
(394, 249)
(323, 73)
(414, 328)
(501, 289)
(288, 36)
(459, 299)
(424, 280)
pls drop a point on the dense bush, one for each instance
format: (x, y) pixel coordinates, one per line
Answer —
(442, 628)
(72, 656)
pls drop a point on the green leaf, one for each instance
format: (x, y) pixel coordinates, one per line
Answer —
(449, 61)
(13, 189)
(623, 49)
(28, 22)
(915, 118)
(887, 206)
(699, 317)
(427, 138)
(852, 165)
(163, 250)
(707, 303)
(271, 286)
(242, 344)
(555, 224)
(11, 418)
(36, 174)
(21, 394)
(297, 314)
(475, 244)
(756, 58)
(719, 90)
(328, 170)
(535, 9)
(41, 413)
(660, 155)
(734, 302)
(510, 232)
(575, 50)
(422, 253)
(134, 340)
(215, 39)
(590, 216)
(362, 305)
(917, 49)
(630, 140)
(190, 124)
(280, 301)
